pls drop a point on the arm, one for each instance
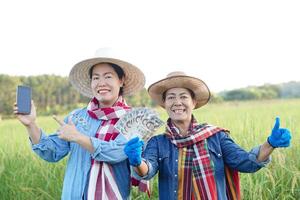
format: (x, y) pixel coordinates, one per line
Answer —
(258, 157)
(147, 168)
(34, 132)
(69, 132)
(279, 137)
(29, 122)
(51, 148)
(100, 150)
(142, 169)
(237, 158)
(111, 152)
(265, 151)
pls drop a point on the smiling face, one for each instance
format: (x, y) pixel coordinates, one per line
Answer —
(105, 84)
(179, 105)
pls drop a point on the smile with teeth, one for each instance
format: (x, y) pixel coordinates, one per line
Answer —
(101, 91)
(178, 111)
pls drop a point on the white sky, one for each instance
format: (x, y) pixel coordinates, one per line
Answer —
(228, 44)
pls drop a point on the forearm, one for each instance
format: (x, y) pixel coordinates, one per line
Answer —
(34, 133)
(85, 142)
(142, 169)
(265, 151)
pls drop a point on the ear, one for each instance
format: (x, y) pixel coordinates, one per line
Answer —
(122, 82)
(194, 103)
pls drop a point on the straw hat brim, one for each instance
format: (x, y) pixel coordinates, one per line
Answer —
(79, 76)
(199, 88)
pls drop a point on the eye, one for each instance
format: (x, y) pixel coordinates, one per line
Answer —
(170, 97)
(108, 77)
(183, 97)
(95, 78)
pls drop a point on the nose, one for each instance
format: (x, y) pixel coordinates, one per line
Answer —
(177, 102)
(101, 82)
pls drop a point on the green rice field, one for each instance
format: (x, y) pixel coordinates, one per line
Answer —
(23, 175)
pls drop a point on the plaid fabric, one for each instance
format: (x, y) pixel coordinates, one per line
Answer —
(195, 168)
(102, 184)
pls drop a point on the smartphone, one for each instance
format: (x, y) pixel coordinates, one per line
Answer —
(23, 99)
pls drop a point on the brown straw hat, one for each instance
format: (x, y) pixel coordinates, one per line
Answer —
(180, 80)
(134, 80)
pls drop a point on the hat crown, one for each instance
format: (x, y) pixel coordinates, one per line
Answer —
(176, 73)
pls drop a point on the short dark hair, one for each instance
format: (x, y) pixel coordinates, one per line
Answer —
(117, 69)
(190, 91)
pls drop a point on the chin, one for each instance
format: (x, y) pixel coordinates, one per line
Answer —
(106, 101)
(179, 118)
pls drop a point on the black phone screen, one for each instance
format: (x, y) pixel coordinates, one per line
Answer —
(24, 99)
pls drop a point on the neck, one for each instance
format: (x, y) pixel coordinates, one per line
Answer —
(105, 104)
(183, 126)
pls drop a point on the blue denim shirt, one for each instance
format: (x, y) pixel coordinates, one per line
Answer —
(161, 155)
(52, 149)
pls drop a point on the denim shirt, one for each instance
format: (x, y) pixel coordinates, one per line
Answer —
(52, 149)
(162, 155)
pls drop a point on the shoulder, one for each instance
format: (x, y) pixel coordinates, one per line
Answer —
(77, 113)
(218, 137)
(158, 140)
(159, 137)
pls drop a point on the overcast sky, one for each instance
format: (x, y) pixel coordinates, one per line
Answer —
(228, 44)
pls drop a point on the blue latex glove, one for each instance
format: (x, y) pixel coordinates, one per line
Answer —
(280, 137)
(133, 149)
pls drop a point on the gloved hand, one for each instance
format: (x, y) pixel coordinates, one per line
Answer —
(133, 149)
(280, 137)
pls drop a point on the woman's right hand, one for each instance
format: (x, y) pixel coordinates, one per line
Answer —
(26, 120)
(133, 149)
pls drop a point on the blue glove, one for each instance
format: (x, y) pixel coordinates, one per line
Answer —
(133, 149)
(280, 137)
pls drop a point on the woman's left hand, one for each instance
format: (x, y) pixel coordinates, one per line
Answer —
(67, 131)
(279, 137)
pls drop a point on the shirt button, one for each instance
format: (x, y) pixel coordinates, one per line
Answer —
(176, 160)
(175, 175)
(174, 191)
(219, 155)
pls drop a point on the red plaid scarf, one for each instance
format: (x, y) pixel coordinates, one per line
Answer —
(102, 184)
(196, 179)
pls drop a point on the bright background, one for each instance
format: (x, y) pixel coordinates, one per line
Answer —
(228, 44)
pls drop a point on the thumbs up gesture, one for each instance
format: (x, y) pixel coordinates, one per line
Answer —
(280, 137)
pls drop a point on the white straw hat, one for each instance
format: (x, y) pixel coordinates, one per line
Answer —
(180, 80)
(134, 79)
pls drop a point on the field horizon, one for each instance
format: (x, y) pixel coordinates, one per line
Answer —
(23, 175)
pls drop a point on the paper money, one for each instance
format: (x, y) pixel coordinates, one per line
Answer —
(141, 122)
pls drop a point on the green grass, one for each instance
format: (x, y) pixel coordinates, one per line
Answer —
(24, 176)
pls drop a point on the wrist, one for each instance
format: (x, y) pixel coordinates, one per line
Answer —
(135, 162)
(268, 141)
(77, 137)
(31, 125)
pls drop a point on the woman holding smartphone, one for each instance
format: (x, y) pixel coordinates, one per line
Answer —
(97, 167)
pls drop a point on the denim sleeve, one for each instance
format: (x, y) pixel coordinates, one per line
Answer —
(110, 152)
(151, 158)
(148, 176)
(51, 148)
(237, 158)
(254, 154)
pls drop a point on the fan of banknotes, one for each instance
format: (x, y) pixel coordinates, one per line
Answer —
(141, 122)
